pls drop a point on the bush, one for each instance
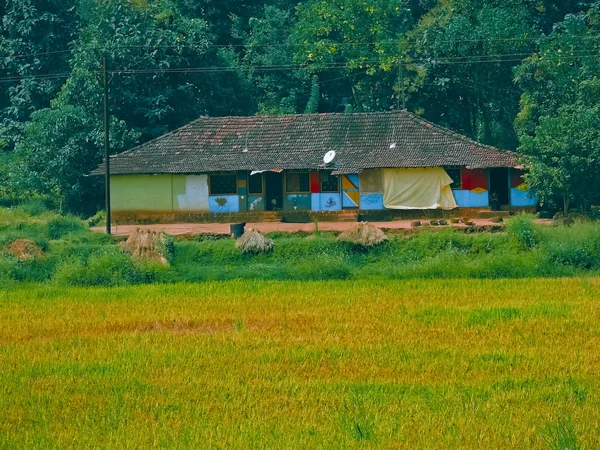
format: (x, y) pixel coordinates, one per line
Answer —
(61, 226)
(34, 207)
(363, 234)
(575, 246)
(254, 242)
(110, 267)
(523, 231)
(97, 219)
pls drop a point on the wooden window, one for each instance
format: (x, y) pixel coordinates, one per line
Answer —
(297, 182)
(223, 184)
(329, 183)
(454, 173)
(255, 184)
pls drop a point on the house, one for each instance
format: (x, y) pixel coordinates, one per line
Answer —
(390, 161)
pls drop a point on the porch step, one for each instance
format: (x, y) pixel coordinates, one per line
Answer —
(270, 216)
(491, 214)
(347, 216)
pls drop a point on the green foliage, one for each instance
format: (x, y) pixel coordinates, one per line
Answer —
(561, 435)
(110, 267)
(560, 113)
(61, 226)
(523, 231)
(453, 62)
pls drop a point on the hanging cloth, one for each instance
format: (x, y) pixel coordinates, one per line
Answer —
(427, 188)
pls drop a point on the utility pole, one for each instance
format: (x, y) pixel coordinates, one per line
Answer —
(401, 84)
(106, 147)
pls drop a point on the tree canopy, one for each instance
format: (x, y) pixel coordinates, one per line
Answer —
(519, 74)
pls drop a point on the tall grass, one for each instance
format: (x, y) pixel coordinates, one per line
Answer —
(249, 364)
(526, 250)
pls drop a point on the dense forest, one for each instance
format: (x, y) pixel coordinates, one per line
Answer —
(519, 74)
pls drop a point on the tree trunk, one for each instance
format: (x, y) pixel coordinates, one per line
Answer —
(566, 204)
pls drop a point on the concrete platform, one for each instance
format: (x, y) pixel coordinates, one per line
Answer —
(267, 227)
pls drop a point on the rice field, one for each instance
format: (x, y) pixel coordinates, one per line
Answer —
(254, 364)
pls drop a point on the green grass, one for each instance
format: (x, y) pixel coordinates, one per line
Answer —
(338, 364)
(75, 256)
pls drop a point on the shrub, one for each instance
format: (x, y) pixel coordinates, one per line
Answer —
(523, 231)
(97, 219)
(61, 226)
(34, 207)
(254, 242)
(363, 234)
(110, 267)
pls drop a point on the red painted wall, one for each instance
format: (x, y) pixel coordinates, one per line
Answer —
(516, 178)
(474, 178)
(315, 183)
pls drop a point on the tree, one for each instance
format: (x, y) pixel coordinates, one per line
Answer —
(469, 48)
(268, 64)
(34, 40)
(559, 118)
(355, 47)
(142, 42)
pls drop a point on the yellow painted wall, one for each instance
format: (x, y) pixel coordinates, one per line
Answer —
(159, 193)
(148, 193)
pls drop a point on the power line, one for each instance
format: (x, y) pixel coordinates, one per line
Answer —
(303, 44)
(484, 59)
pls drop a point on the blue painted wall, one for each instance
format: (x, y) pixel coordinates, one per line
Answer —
(326, 201)
(468, 199)
(223, 203)
(371, 202)
(522, 199)
(297, 202)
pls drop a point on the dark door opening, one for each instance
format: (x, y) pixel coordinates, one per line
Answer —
(274, 191)
(499, 186)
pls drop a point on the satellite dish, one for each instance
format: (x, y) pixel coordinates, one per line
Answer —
(329, 157)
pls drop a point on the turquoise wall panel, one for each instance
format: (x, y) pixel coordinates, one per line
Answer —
(468, 199)
(371, 202)
(326, 201)
(224, 203)
(256, 203)
(522, 199)
(297, 202)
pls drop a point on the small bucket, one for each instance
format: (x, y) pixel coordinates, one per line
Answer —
(237, 229)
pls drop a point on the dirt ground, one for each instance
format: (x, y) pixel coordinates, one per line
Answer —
(178, 229)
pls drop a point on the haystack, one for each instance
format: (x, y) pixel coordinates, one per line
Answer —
(363, 234)
(252, 241)
(150, 245)
(25, 249)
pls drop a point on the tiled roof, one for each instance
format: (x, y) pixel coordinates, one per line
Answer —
(361, 141)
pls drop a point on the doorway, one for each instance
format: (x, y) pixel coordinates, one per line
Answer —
(274, 191)
(499, 185)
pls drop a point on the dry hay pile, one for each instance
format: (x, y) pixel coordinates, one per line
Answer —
(25, 249)
(252, 241)
(150, 245)
(363, 234)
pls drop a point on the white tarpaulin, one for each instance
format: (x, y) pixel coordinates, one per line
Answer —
(427, 188)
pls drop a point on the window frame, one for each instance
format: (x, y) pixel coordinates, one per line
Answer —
(339, 180)
(460, 174)
(262, 184)
(210, 192)
(307, 173)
